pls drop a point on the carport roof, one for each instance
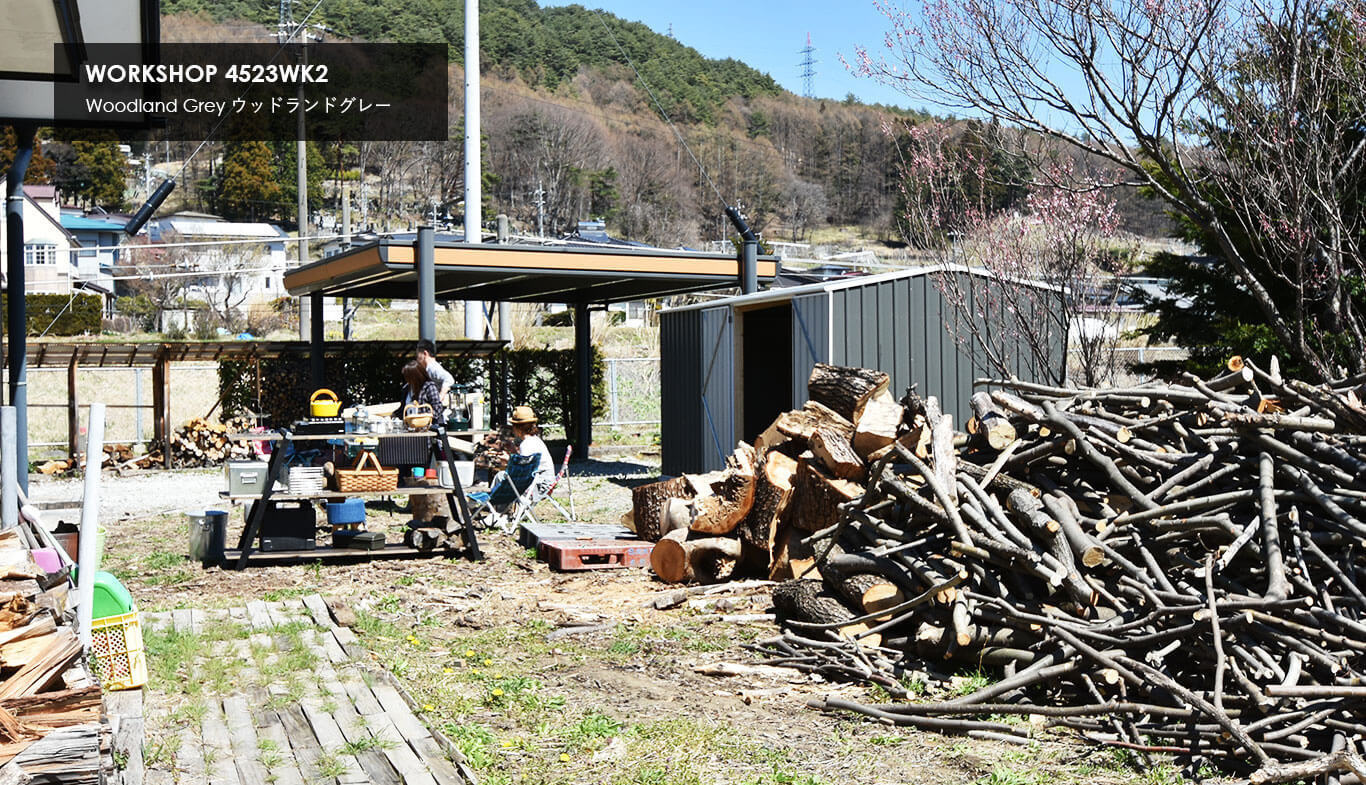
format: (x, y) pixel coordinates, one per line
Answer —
(522, 273)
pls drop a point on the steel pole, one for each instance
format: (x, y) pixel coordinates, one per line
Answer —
(9, 477)
(583, 365)
(16, 286)
(426, 283)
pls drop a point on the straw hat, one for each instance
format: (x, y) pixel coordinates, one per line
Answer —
(522, 415)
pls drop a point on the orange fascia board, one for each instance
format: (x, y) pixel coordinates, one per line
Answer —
(528, 259)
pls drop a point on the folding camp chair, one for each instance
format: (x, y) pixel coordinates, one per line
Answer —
(512, 493)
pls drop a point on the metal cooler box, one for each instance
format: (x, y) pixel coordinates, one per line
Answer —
(246, 478)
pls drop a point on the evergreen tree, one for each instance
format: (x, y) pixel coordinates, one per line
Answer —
(247, 187)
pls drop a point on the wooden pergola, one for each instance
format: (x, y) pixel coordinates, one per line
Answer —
(579, 275)
(159, 355)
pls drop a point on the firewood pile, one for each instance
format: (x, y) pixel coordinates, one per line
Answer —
(119, 457)
(50, 706)
(492, 451)
(1165, 568)
(200, 442)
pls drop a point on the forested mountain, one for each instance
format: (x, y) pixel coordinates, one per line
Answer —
(569, 132)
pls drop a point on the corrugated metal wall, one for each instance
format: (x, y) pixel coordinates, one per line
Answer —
(896, 325)
(680, 341)
(810, 339)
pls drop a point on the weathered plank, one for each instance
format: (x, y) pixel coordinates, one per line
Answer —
(297, 611)
(197, 618)
(405, 761)
(189, 759)
(257, 615)
(278, 616)
(180, 620)
(217, 747)
(349, 642)
(270, 728)
(125, 706)
(332, 739)
(317, 608)
(305, 745)
(242, 734)
(361, 697)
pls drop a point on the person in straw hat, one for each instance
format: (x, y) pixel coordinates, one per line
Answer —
(529, 442)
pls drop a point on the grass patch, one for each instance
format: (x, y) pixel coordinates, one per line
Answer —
(365, 744)
(329, 764)
(475, 741)
(970, 683)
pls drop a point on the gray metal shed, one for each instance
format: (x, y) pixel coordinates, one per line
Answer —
(729, 367)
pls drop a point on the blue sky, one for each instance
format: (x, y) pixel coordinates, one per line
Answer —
(769, 34)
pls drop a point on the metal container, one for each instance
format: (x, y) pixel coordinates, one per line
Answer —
(246, 478)
(208, 535)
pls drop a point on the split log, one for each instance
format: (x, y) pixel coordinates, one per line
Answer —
(677, 559)
(878, 427)
(44, 661)
(792, 558)
(989, 423)
(816, 497)
(647, 502)
(845, 390)
(732, 496)
(837, 454)
(799, 424)
(866, 591)
(772, 492)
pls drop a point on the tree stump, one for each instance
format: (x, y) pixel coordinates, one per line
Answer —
(677, 559)
(647, 502)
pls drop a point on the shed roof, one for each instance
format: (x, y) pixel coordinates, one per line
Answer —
(521, 273)
(835, 284)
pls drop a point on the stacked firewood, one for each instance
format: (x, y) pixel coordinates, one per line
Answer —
(751, 516)
(1167, 567)
(200, 442)
(50, 707)
(119, 457)
(492, 451)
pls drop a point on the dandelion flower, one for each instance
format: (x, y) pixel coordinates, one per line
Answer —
(428, 707)
(564, 757)
(497, 692)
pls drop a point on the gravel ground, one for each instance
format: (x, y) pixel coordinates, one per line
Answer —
(600, 487)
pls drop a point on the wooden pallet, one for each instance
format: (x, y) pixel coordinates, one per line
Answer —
(575, 555)
(530, 535)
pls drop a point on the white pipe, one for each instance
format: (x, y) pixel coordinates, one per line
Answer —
(9, 472)
(474, 186)
(87, 556)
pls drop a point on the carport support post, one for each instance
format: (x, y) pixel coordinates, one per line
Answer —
(426, 284)
(73, 409)
(24, 134)
(161, 404)
(583, 366)
(316, 339)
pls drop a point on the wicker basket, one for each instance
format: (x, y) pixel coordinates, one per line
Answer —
(359, 479)
(418, 416)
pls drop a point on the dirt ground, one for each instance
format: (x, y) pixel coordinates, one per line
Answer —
(544, 677)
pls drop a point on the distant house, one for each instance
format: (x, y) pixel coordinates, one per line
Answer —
(55, 257)
(259, 280)
(99, 237)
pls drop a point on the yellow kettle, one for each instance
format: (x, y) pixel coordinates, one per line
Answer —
(320, 406)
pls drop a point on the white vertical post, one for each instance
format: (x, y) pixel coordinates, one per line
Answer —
(87, 555)
(474, 186)
(9, 471)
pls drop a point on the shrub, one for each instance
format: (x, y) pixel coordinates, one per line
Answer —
(60, 314)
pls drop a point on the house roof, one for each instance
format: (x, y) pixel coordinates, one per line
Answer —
(83, 223)
(41, 191)
(199, 227)
(46, 215)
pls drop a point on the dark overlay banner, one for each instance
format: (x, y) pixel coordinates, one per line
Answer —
(326, 91)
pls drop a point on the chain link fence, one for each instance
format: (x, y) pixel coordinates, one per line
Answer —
(632, 391)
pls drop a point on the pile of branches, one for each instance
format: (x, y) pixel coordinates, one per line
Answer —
(1166, 568)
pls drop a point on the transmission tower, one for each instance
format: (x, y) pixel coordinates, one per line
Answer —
(808, 65)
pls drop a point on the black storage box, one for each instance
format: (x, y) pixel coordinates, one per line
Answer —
(404, 450)
(288, 526)
(319, 426)
(358, 540)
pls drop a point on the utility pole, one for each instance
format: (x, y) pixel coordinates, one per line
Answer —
(285, 31)
(539, 193)
(474, 188)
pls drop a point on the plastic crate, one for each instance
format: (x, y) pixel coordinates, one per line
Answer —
(120, 661)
